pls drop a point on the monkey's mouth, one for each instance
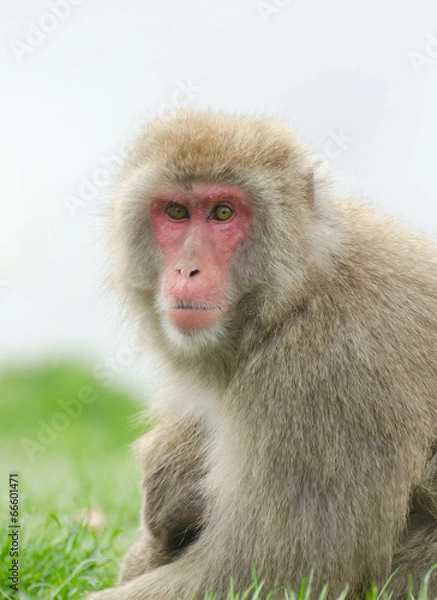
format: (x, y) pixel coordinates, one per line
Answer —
(190, 306)
(188, 317)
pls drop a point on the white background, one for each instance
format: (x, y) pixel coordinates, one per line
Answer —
(78, 76)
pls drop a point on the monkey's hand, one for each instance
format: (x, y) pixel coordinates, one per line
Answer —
(172, 458)
(180, 579)
(174, 502)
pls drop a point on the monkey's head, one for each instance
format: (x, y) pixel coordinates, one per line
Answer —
(215, 222)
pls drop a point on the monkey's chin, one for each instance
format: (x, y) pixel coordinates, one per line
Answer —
(193, 341)
(190, 321)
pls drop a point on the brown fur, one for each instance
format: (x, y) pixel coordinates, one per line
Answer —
(318, 415)
(172, 460)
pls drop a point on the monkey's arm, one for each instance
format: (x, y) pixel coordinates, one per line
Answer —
(417, 549)
(172, 461)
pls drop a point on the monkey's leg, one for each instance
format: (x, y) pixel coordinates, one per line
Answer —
(417, 551)
(172, 457)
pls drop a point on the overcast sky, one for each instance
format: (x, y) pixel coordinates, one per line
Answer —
(358, 80)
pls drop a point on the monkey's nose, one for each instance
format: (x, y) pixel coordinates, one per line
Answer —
(190, 273)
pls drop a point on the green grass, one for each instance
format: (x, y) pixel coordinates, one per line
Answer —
(68, 438)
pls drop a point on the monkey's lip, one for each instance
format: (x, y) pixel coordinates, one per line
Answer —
(192, 306)
(188, 317)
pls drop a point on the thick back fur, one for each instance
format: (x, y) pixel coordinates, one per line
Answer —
(324, 418)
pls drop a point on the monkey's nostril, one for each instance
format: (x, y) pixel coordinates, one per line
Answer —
(192, 273)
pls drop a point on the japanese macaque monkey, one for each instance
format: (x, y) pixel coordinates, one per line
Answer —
(300, 334)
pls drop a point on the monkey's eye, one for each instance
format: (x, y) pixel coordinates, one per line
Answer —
(222, 212)
(177, 211)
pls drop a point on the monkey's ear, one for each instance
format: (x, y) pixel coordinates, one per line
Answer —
(316, 179)
(310, 189)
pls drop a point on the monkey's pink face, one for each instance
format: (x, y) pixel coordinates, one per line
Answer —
(198, 232)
